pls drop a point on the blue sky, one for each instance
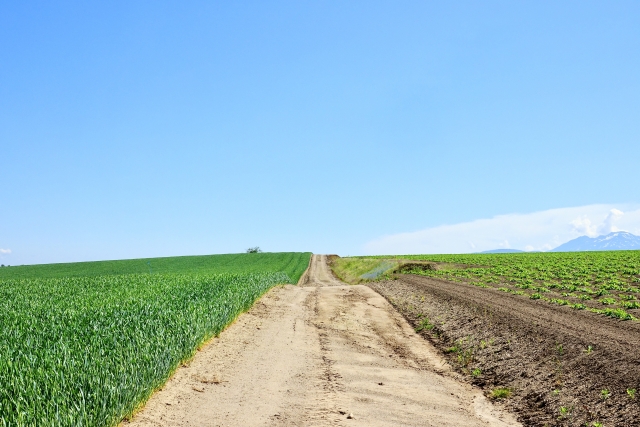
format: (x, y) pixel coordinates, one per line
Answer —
(137, 129)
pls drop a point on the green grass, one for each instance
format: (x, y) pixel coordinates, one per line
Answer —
(88, 350)
(352, 269)
(500, 393)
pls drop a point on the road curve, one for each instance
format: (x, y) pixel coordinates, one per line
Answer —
(319, 354)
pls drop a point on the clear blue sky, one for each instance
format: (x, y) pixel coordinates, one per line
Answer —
(136, 129)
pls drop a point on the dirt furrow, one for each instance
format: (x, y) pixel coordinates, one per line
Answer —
(563, 366)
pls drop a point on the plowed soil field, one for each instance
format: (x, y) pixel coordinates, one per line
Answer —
(562, 366)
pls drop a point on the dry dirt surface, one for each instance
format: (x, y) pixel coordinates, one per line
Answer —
(565, 367)
(320, 354)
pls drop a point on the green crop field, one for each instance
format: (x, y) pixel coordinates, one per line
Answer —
(84, 344)
(287, 262)
(607, 283)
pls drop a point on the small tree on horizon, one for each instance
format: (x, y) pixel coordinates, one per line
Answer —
(255, 250)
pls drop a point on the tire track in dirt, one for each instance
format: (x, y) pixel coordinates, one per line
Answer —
(321, 354)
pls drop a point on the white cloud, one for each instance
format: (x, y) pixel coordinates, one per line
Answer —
(5, 251)
(539, 231)
(505, 245)
(608, 225)
(583, 226)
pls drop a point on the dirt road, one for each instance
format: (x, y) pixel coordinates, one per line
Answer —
(319, 354)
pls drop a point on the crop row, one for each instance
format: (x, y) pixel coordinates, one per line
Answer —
(606, 283)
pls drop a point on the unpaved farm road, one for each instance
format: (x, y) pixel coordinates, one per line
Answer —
(319, 354)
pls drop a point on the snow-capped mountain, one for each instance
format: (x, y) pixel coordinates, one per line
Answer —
(616, 241)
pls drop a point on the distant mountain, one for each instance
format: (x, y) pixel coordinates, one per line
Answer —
(501, 251)
(616, 241)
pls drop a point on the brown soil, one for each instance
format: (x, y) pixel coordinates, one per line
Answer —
(321, 354)
(551, 357)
